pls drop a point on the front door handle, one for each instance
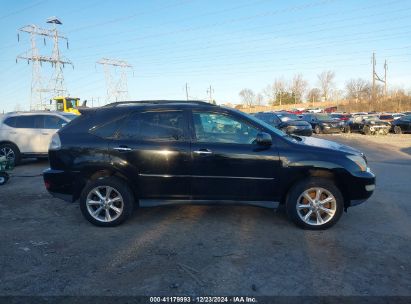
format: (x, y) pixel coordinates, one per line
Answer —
(203, 151)
(122, 149)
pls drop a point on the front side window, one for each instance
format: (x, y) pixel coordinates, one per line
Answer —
(158, 126)
(53, 122)
(220, 128)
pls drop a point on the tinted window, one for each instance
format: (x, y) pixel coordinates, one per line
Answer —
(30, 122)
(269, 118)
(11, 121)
(219, 128)
(53, 122)
(287, 116)
(108, 129)
(168, 125)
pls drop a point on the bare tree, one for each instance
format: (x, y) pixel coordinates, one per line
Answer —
(298, 87)
(314, 95)
(358, 89)
(247, 97)
(259, 99)
(269, 94)
(326, 82)
(279, 88)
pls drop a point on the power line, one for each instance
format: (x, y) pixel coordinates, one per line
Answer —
(22, 9)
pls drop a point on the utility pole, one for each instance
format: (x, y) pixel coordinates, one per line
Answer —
(210, 92)
(373, 77)
(385, 78)
(186, 91)
(117, 90)
(38, 100)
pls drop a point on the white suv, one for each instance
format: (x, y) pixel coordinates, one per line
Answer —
(28, 134)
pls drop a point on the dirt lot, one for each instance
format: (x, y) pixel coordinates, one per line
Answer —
(47, 248)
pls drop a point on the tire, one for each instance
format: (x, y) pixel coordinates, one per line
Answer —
(295, 204)
(385, 132)
(4, 177)
(119, 209)
(347, 130)
(317, 129)
(397, 130)
(11, 150)
(366, 130)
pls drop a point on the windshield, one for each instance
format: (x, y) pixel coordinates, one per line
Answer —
(287, 116)
(323, 117)
(71, 103)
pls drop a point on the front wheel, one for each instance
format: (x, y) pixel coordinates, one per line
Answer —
(315, 204)
(4, 177)
(106, 202)
(397, 130)
(366, 130)
(317, 129)
(347, 129)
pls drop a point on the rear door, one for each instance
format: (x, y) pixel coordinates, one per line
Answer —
(227, 164)
(154, 148)
(28, 133)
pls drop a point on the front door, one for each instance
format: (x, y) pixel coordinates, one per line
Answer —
(154, 148)
(227, 164)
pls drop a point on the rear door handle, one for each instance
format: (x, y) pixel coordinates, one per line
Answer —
(122, 148)
(203, 151)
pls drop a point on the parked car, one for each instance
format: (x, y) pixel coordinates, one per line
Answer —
(367, 124)
(28, 134)
(187, 152)
(397, 115)
(286, 122)
(402, 125)
(316, 110)
(323, 123)
(330, 109)
(341, 116)
(386, 117)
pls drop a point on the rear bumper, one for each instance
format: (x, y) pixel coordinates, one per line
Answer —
(59, 184)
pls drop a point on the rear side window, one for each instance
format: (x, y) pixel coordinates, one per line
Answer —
(109, 129)
(160, 126)
(29, 122)
(11, 122)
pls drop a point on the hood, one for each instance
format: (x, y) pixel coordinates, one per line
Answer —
(328, 144)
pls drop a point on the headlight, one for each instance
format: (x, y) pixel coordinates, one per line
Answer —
(359, 161)
(55, 143)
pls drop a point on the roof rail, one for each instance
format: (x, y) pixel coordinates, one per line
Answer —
(200, 102)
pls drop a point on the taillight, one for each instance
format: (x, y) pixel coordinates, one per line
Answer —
(47, 184)
(55, 143)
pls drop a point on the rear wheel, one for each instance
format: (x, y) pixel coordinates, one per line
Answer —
(317, 129)
(397, 130)
(315, 204)
(106, 202)
(11, 152)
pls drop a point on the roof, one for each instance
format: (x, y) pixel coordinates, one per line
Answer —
(158, 102)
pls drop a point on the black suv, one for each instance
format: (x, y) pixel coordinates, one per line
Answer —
(286, 122)
(152, 153)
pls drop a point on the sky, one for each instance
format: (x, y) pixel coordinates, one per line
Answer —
(226, 44)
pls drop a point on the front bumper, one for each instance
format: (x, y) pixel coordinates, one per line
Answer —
(299, 131)
(59, 183)
(361, 187)
(330, 129)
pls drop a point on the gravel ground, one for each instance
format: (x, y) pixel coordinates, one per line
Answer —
(49, 249)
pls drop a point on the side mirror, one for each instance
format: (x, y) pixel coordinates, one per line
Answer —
(264, 139)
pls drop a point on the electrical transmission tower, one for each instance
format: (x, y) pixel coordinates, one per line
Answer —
(117, 89)
(376, 78)
(39, 92)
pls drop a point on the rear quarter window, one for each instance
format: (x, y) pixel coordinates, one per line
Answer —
(10, 121)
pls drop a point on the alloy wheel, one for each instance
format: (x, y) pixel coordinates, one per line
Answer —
(316, 206)
(8, 153)
(104, 203)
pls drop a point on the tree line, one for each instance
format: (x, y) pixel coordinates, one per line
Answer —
(297, 90)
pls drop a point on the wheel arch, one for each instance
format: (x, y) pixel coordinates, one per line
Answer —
(93, 173)
(337, 175)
